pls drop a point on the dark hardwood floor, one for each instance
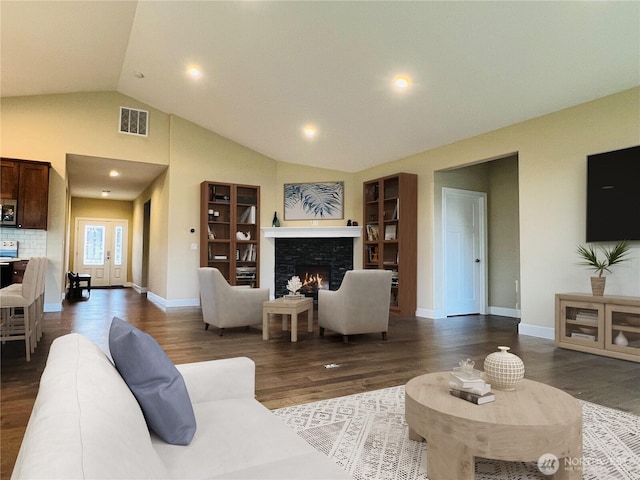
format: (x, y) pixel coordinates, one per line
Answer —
(292, 373)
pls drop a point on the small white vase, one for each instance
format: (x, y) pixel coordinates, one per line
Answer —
(503, 369)
(621, 340)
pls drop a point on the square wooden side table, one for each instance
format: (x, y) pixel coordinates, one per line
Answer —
(287, 307)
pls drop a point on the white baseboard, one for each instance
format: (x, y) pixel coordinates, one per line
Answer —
(164, 303)
(183, 302)
(139, 289)
(157, 299)
(426, 313)
(504, 312)
(52, 307)
(537, 331)
(435, 314)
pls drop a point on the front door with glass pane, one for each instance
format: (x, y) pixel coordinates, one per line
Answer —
(101, 251)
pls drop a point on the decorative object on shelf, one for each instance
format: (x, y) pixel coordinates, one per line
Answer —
(276, 221)
(372, 233)
(390, 232)
(612, 256)
(294, 284)
(503, 369)
(349, 223)
(243, 236)
(633, 320)
(314, 201)
(621, 340)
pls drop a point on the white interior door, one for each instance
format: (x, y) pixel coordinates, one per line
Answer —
(465, 265)
(101, 251)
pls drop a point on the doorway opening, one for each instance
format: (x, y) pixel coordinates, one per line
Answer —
(101, 250)
(498, 180)
(146, 235)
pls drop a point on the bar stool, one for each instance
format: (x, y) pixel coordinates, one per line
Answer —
(15, 326)
(42, 277)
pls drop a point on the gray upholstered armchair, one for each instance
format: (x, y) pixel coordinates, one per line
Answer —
(224, 306)
(360, 305)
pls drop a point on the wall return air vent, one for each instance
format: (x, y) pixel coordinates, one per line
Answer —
(134, 122)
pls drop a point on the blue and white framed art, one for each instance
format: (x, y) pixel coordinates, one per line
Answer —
(314, 201)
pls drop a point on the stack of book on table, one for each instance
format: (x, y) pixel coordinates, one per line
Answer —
(470, 387)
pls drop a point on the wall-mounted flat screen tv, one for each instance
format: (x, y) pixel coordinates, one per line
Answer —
(613, 195)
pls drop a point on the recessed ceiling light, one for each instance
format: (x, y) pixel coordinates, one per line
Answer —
(194, 72)
(114, 173)
(310, 131)
(105, 193)
(401, 82)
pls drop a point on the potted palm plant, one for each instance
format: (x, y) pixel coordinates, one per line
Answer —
(612, 256)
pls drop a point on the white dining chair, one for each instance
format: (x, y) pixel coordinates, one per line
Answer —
(17, 326)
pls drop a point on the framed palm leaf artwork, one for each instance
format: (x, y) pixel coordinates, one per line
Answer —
(314, 201)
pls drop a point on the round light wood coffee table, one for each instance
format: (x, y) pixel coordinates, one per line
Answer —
(522, 425)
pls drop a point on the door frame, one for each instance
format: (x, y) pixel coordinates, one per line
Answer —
(483, 296)
(76, 245)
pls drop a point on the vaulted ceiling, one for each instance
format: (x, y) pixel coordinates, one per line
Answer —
(268, 69)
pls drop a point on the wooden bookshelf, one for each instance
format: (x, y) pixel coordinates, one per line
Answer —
(390, 220)
(230, 231)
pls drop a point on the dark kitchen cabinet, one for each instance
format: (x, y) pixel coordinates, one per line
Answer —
(27, 182)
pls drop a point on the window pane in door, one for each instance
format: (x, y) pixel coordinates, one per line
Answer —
(117, 256)
(94, 237)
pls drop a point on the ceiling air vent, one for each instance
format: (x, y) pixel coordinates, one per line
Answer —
(133, 121)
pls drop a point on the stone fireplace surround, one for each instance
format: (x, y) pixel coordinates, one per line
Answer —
(330, 247)
(336, 253)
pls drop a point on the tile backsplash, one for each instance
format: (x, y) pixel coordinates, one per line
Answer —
(31, 243)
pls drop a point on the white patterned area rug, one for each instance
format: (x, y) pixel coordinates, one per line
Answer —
(366, 434)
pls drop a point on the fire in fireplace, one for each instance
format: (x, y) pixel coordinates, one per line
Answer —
(296, 256)
(313, 278)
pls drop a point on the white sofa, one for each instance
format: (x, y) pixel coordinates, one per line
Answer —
(86, 423)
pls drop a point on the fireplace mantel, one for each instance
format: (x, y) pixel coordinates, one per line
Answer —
(312, 232)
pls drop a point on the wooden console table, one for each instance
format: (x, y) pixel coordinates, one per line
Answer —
(604, 325)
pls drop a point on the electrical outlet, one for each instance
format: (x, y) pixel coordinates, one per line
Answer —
(194, 246)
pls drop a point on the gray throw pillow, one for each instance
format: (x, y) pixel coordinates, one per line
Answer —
(155, 381)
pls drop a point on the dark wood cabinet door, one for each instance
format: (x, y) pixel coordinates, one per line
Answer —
(33, 197)
(9, 171)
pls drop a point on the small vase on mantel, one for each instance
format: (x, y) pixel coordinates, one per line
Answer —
(275, 222)
(597, 286)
